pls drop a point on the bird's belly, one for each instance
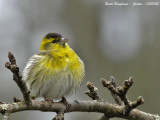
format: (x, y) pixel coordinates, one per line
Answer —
(57, 86)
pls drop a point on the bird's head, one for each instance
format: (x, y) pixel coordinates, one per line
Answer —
(53, 41)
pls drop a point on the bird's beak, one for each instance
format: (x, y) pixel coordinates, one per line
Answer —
(63, 41)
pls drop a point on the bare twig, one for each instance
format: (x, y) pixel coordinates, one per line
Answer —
(93, 92)
(6, 116)
(16, 100)
(59, 116)
(115, 96)
(2, 102)
(121, 92)
(17, 77)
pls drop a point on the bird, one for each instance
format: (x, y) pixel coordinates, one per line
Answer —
(56, 71)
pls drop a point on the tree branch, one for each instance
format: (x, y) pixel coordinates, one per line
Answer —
(6, 116)
(123, 109)
(81, 106)
(17, 77)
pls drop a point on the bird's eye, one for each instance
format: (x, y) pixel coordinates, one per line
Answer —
(55, 41)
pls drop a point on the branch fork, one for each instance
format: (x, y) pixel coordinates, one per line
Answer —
(118, 93)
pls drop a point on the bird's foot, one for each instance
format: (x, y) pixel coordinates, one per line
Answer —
(65, 102)
(50, 101)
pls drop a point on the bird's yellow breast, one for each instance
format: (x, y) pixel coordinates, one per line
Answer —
(63, 59)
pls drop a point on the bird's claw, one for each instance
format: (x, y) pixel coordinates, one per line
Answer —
(65, 102)
(48, 100)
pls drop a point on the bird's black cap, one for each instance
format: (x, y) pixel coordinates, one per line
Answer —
(53, 35)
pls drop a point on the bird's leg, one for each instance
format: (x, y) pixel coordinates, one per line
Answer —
(65, 102)
(48, 100)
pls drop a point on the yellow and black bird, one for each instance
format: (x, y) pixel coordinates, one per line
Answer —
(56, 71)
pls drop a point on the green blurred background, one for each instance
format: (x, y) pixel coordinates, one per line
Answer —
(122, 41)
